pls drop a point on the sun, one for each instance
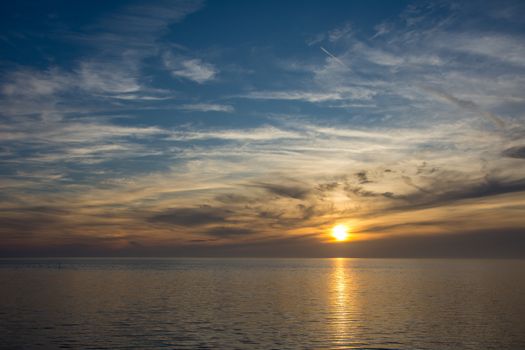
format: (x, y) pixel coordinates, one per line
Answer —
(340, 232)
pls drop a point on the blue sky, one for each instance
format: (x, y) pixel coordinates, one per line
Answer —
(245, 127)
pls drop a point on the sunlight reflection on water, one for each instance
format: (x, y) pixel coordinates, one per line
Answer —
(342, 302)
(262, 303)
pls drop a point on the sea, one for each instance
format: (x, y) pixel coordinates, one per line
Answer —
(227, 303)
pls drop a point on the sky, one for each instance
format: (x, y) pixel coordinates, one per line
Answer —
(251, 128)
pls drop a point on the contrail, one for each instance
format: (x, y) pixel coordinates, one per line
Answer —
(335, 58)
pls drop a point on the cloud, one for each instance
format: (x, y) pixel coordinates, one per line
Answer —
(502, 48)
(226, 232)
(229, 198)
(333, 93)
(71, 132)
(382, 29)
(118, 44)
(26, 225)
(51, 141)
(91, 79)
(294, 95)
(339, 33)
(515, 152)
(63, 132)
(342, 32)
(197, 216)
(193, 69)
(290, 191)
(108, 78)
(256, 134)
(140, 97)
(123, 39)
(489, 187)
(30, 83)
(467, 105)
(442, 190)
(137, 26)
(207, 107)
(327, 187)
(362, 177)
(378, 56)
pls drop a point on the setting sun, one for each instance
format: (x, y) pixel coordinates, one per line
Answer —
(340, 232)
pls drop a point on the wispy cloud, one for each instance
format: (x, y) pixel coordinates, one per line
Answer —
(101, 77)
(334, 35)
(33, 84)
(507, 49)
(341, 32)
(467, 105)
(336, 93)
(207, 107)
(255, 134)
(193, 69)
(113, 67)
(294, 95)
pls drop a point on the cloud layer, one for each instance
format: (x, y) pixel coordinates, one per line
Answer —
(152, 137)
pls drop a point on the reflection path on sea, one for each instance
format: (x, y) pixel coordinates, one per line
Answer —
(262, 304)
(342, 301)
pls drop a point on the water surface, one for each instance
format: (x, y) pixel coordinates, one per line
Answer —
(262, 304)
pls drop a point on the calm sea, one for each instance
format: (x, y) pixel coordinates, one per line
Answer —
(262, 304)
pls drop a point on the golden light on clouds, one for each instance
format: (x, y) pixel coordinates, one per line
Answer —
(340, 232)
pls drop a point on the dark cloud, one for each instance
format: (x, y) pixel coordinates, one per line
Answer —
(225, 231)
(389, 195)
(268, 214)
(362, 177)
(413, 226)
(292, 217)
(515, 152)
(327, 187)
(308, 211)
(32, 219)
(443, 193)
(38, 210)
(291, 191)
(192, 216)
(408, 181)
(361, 192)
(425, 169)
(27, 224)
(434, 187)
(229, 198)
(135, 244)
(490, 187)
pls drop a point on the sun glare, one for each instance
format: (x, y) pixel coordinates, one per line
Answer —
(340, 232)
